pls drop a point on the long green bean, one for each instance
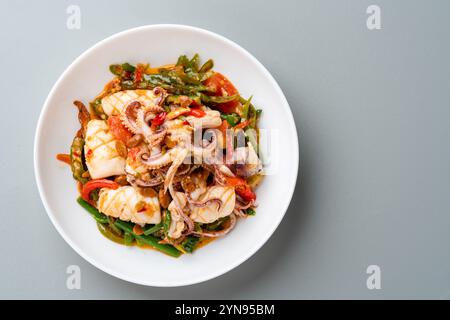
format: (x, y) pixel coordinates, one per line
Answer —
(97, 215)
(153, 229)
(149, 240)
(167, 221)
(128, 239)
(190, 243)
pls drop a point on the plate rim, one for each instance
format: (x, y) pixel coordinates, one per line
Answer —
(105, 268)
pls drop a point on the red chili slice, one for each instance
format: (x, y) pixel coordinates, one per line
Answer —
(96, 184)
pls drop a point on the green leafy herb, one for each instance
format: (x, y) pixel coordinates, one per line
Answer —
(232, 118)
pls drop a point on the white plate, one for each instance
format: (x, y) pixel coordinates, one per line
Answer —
(84, 78)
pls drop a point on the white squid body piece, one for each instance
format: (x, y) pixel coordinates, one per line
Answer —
(249, 159)
(210, 213)
(102, 158)
(210, 120)
(114, 103)
(199, 180)
(121, 203)
(177, 222)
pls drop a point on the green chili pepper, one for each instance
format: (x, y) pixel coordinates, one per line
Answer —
(182, 61)
(96, 106)
(153, 229)
(148, 240)
(182, 78)
(250, 112)
(217, 99)
(116, 69)
(76, 158)
(128, 67)
(245, 108)
(169, 77)
(208, 65)
(178, 99)
(124, 70)
(193, 63)
(97, 215)
(172, 83)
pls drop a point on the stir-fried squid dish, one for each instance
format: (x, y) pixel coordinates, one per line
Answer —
(167, 157)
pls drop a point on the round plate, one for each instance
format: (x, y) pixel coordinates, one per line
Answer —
(85, 78)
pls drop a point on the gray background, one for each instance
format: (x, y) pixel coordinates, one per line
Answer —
(373, 117)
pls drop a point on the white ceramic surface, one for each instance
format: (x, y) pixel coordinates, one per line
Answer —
(84, 78)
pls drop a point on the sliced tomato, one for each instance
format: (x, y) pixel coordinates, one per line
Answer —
(242, 188)
(159, 119)
(245, 192)
(197, 112)
(118, 130)
(132, 153)
(195, 104)
(138, 73)
(222, 87)
(96, 184)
